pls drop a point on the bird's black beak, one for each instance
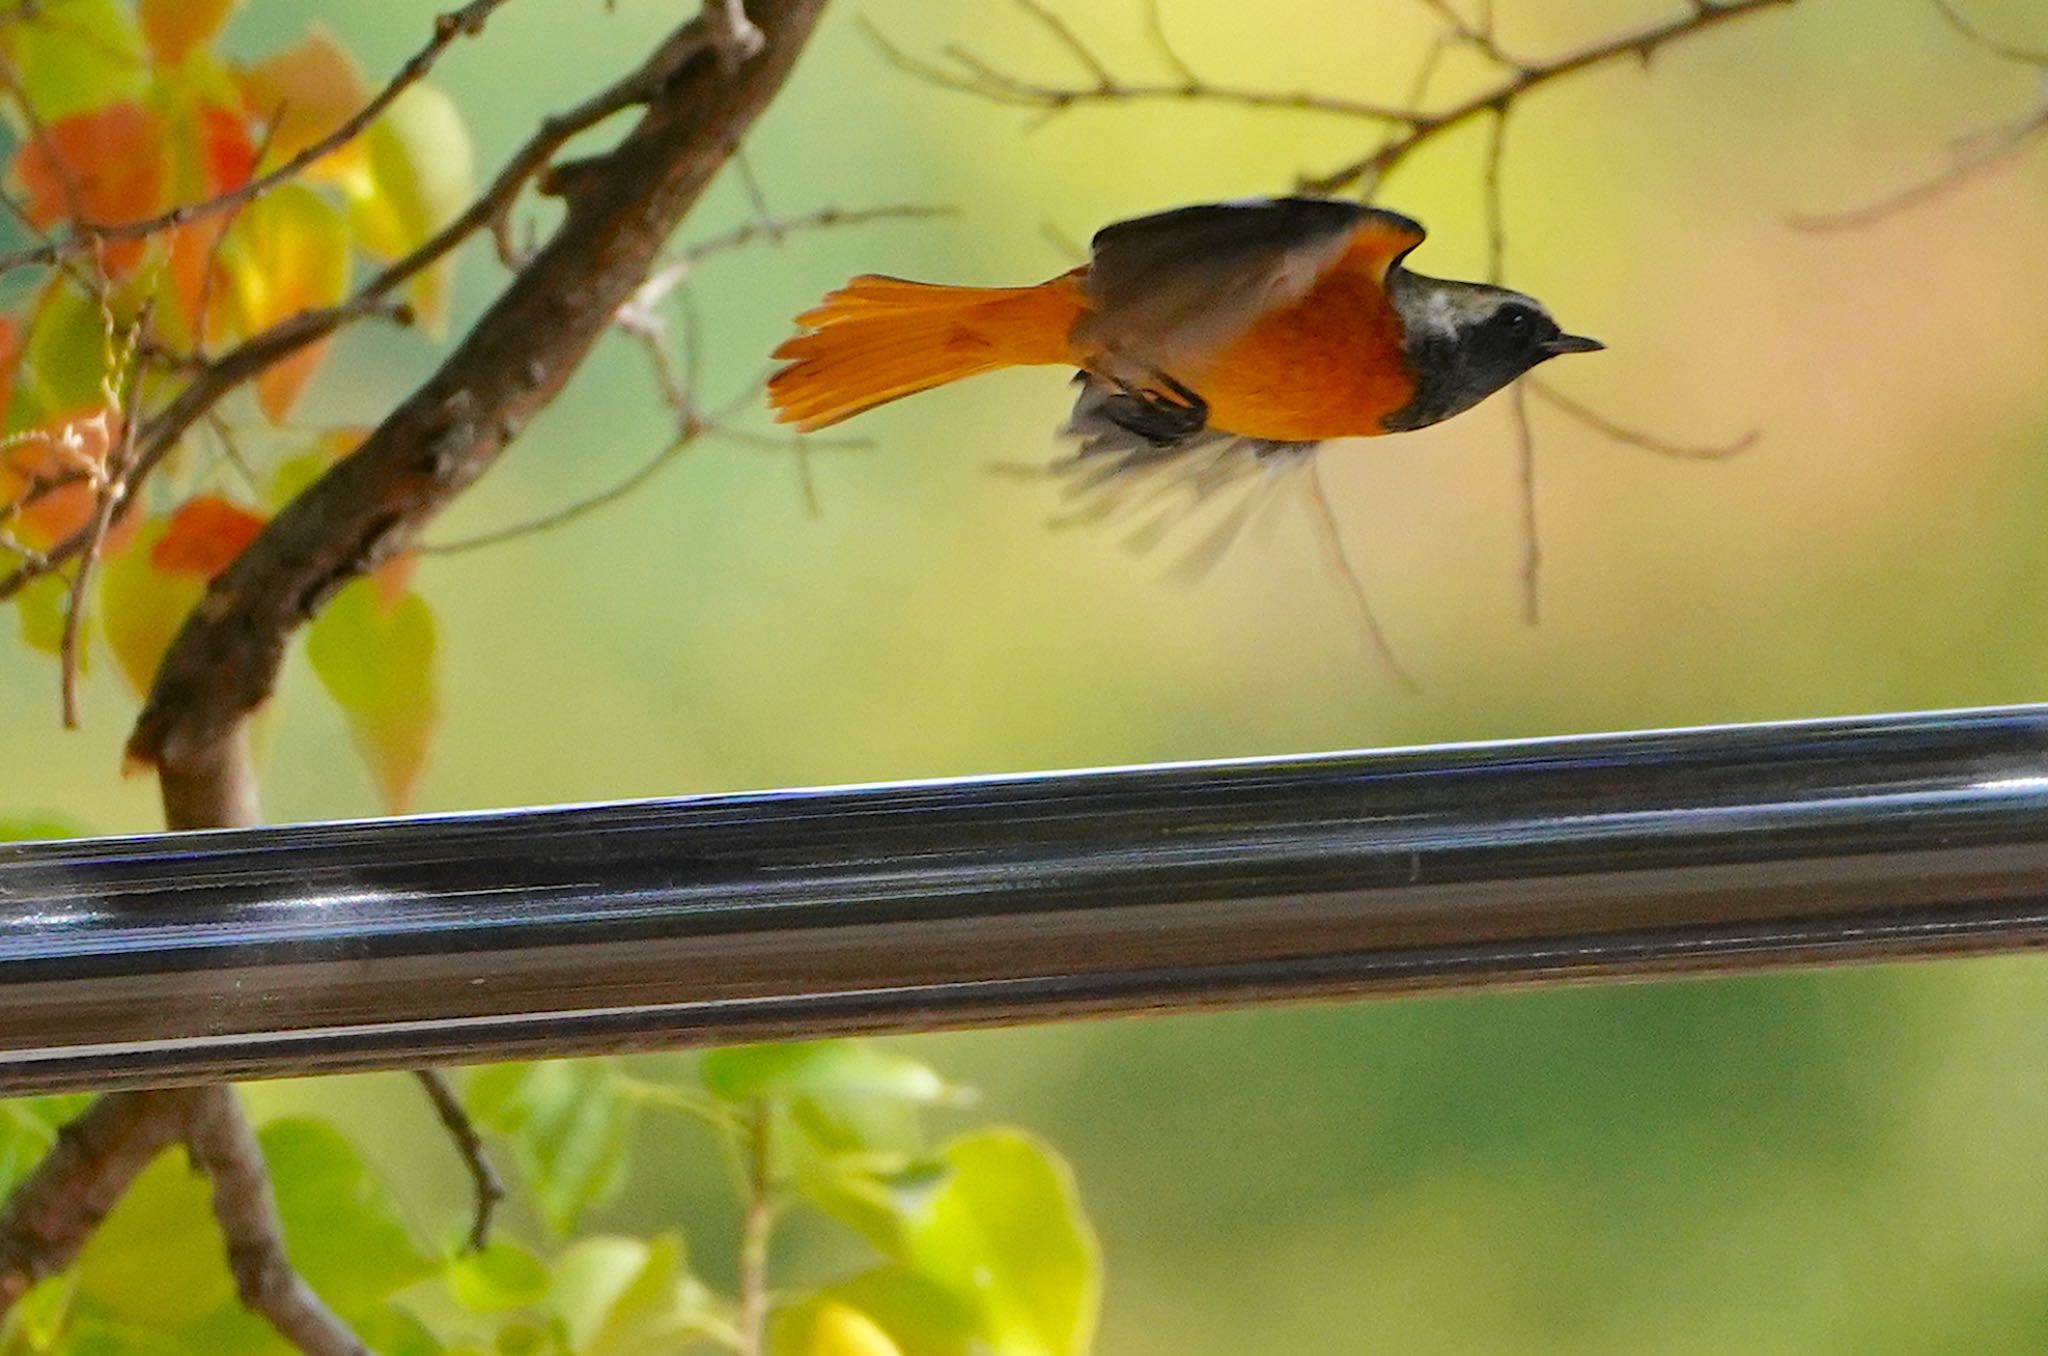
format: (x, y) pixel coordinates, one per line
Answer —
(1572, 343)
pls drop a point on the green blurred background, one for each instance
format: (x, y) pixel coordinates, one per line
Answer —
(1845, 1162)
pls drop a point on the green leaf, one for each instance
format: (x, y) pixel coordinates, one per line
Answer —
(623, 1297)
(341, 1224)
(590, 1276)
(76, 55)
(377, 661)
(567, 1121)
(41, 605)
(64, 360)
(156, 1262)
(22, 828)
(393, 1331)
(1007, 1236)
(503, 1276)
(643, 1310)
(824, 1069)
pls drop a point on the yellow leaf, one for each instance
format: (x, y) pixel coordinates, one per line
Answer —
(287, 253)
(310, 88)
(418, 173)
(841, 1330)
(142, 606)
(175, 27)
(377, 662)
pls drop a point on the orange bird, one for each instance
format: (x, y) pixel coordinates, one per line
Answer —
(1244, 331)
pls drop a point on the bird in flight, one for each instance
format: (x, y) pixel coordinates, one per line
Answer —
(1212, 343)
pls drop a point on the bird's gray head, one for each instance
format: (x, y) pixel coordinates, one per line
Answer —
(1464, 341)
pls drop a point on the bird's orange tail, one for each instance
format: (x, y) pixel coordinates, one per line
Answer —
(878, 339)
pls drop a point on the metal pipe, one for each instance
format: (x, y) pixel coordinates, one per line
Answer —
(378, 944)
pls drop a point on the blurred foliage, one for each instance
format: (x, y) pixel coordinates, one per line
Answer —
(136, 112)
(975, 1243)
(1842, 1163)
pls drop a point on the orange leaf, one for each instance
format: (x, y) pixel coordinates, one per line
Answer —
(175, 27)
(393, 579)
(309, 88)
(228, 151)
(10, 358)
(190, 248)
(287, 253)
(204, 536)
(58, 450)
(108, 166)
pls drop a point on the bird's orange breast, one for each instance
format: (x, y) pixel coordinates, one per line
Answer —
(1329, 366)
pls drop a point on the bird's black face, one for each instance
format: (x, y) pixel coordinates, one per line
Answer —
(1464, 341)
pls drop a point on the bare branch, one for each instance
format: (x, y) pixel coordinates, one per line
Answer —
(259, 352)
(223, 1146)
(1641, 44)
(757, 1228)
(1989, 153)
(489, 1188)
(978, 77)
(1330, 537)
(1636, 438)
(54, 1210)
(748, 233)
(466, 21)
(621, 206)
(1532, 527)
(1983, 153)
(1964, 25)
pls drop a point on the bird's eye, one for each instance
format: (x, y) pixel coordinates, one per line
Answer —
(1518, 322)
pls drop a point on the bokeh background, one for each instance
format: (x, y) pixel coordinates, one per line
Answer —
(1842, 1162)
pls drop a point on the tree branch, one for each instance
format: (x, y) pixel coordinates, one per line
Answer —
(970, 74)
(1642, 44)
(55, 1209)
(260, 352)
(490, 1189)
(621, 208)
(223, 1146)
(84, 236)
(1985, 152)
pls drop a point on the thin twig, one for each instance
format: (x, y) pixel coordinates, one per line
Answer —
(483, 1176)
(262, 351)
(112, 489)
(1532, 535)
(978, 77)
(1971, 32)
(1641, 44)
(1330, 536)
(466, 21)
(621, 205)
(757, 1226)
(1636, 438)
(1984, 153)
(1995, 151)
(746, 233)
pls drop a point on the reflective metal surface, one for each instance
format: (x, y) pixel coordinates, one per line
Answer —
(719, 918)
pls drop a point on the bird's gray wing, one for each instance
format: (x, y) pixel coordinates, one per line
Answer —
(1172, 289)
